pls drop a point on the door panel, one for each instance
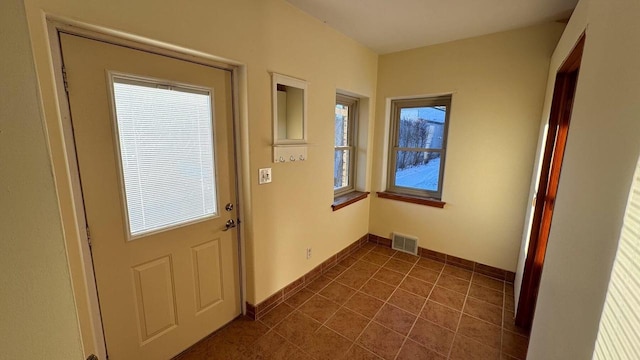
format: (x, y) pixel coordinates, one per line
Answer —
(207, 274)
(161, 291)
(155, 297)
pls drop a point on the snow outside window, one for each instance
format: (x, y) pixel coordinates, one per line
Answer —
(165, 140)
(418, 146)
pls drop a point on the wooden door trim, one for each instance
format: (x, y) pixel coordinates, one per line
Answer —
(68, 179)
(560, 116)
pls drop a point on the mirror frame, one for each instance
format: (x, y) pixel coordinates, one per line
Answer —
(296, 83)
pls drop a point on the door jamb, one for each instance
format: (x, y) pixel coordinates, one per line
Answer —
(77, 244)
(564, 88)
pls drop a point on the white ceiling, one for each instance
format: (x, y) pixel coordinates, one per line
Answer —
(393, 25)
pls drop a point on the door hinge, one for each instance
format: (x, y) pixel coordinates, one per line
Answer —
(64, 79)
(89, 236)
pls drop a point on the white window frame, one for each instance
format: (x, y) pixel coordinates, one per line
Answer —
(396, 107)
(352, 128)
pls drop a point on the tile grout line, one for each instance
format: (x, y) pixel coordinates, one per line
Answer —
(322, 273)
(386, 302)
(353, 342)
(299, 348)
(483, 320)
(504, 330)
(375, 244)
(464, 304)
(307, 300)
(383, 303)
(382, 266)
(322, 324)
(421, 310)
(370, 320)
(504, 308)
(426, 299)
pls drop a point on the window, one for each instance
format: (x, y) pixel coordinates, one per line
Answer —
(165, 139)
(418, 144)
(345, 148)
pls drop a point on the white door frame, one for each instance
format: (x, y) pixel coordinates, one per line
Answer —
(77, 243)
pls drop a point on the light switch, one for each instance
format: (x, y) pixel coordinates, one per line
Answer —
(264, 176)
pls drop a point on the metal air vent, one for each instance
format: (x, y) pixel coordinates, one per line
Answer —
(405, 243)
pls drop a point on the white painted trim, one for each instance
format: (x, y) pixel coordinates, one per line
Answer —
(86, 261)
(241, 137)
(139, 43)
(279, 79)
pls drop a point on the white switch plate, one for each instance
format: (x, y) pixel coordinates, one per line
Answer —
(264, 176)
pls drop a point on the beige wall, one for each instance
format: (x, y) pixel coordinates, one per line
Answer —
(602, 150)
(38, 318)
(293, 212)
(498, 84)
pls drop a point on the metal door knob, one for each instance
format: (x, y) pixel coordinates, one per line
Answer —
(229, 225)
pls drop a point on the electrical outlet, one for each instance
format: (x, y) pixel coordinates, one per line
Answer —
(308, 253)
(264, 176)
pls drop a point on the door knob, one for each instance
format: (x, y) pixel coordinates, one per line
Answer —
(229, 207)
(229, 225)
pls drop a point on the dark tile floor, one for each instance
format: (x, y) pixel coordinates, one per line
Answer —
(380, 304)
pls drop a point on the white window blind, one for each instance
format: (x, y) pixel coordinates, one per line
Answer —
(166, 152)
(619, 333)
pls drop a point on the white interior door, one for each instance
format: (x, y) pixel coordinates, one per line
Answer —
(154, 140)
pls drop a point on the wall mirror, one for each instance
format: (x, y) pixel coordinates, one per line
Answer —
(289, 99)
(289, 110)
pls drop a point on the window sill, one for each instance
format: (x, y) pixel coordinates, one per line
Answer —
(412, 199)
(347, 199)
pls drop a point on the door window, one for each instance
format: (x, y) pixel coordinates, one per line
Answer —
(165, 141)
